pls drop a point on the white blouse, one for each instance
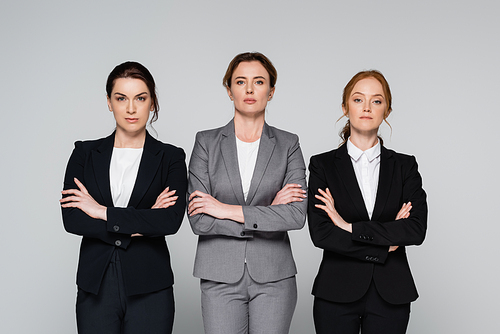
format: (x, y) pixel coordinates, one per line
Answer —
(123, 173)
(247, 158)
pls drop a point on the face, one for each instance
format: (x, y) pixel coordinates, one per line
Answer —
(250, 88)
(130, 102)
(367, 105)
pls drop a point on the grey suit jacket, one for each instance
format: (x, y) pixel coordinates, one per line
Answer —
(262, 241)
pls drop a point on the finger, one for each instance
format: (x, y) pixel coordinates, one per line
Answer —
(196, 193)
(166, 195)
(81, 186)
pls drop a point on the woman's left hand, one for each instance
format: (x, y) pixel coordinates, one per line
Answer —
(290, 193)
(329, 207)
(199, 202)
(82, 200)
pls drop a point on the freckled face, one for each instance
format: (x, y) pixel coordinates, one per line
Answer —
(131, 103)
(366, 106)
(250, 89)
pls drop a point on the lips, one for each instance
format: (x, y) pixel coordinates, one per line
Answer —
(250, 101)
(132, 120)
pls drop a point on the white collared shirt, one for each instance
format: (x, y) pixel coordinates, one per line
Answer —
(367, 168)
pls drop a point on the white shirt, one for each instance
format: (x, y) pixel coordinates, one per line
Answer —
(247, 158)
(367, 168)
(123, 173)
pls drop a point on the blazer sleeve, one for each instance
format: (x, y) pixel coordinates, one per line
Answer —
(203, 224)
(402, 232)
(155, 222)
(325, 234)
(76, 221)
(282, 217)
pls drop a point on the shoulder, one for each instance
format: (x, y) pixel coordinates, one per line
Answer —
(329, 155)
(169, 149)
(210, 133)
(282, 134)
(89, 145)
(402, 158)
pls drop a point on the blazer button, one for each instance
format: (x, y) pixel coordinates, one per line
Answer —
(254, 225)
(371, 238)
(367, 258)
(375, 259)
(242, 234)
(116, 228)
(118, 243)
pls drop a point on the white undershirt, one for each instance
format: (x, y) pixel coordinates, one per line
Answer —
(367, 168)
(123, 173)
(247, 158)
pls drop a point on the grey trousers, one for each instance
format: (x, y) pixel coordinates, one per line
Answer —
(248, 306)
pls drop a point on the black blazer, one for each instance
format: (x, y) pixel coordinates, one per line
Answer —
(145, 260)
(351, 261)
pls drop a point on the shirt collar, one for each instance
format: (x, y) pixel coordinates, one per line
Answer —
(355, 153)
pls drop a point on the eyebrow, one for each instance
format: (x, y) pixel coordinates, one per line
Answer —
(364, 94)
(118, 93)
(257, 77)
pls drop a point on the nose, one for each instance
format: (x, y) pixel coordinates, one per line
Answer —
(367, 106)
(131, 109)
(250, 88)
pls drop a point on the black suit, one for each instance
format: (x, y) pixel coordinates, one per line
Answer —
(352, 261)
(145, 261)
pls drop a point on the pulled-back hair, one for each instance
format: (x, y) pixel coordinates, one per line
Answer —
(346, 131)
(247, 57)
(135, 70)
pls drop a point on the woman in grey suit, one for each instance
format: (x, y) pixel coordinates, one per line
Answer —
(246, 189)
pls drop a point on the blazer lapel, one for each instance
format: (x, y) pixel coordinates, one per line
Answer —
(150, 161)
(101, 159)
(266, 148)
(348, 177)
(229, 154)
(384, 182)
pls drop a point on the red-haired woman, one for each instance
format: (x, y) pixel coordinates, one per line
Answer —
(366, 203)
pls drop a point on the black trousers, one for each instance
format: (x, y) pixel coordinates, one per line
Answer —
(112, 312)
(371, 314)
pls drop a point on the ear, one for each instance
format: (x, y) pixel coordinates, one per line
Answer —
(152, 107)
(109, 103)
(387, 113)
(229, 93)
(271, 93)
(344, 110)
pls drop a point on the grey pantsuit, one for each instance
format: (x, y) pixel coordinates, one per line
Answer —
(261, 244)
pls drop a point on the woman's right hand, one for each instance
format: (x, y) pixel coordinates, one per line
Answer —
(165, 199)
(290, 193)
(404, 212)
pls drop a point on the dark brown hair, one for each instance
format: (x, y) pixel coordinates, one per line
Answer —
(346, 131)
(135, 70)
(246, 57)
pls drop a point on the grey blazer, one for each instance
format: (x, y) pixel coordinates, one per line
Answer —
(262, 241)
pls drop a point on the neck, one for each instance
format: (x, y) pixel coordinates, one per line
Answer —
(248, 128)
(363, 141)
(130, 140)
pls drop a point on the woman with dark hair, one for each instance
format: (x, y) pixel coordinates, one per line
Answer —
(120, 195)
(366, 203)
(246, 190)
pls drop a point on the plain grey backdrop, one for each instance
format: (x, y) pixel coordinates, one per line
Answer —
(440, 58)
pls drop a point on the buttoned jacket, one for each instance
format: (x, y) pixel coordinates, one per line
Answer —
(262, 242)
(352, 260)
(145, 261)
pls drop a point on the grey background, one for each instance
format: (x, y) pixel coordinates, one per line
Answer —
(440, 57)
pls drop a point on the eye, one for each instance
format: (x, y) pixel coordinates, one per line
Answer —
(357, 100)
(377, 102)
(259, 82)
(120, 98)
(141, 98)
(239, 82)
